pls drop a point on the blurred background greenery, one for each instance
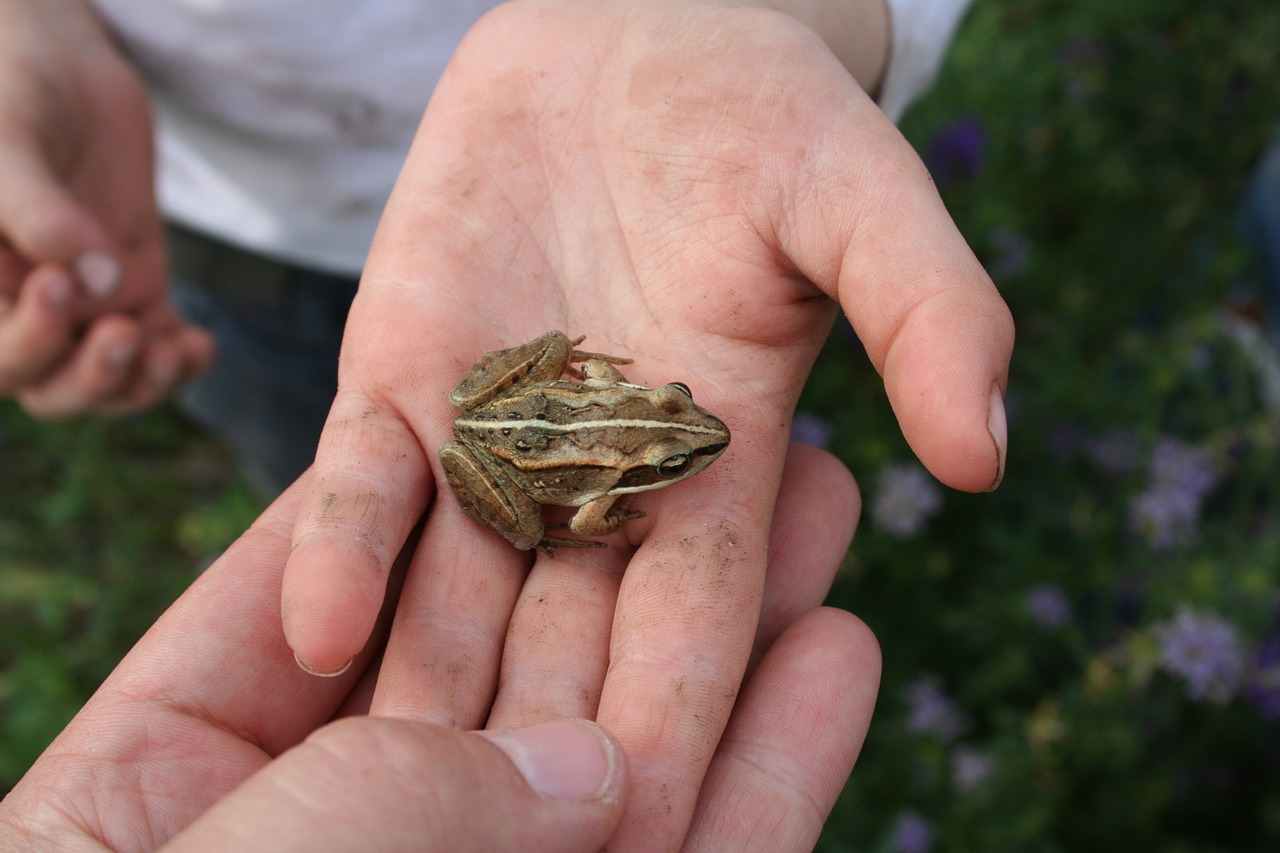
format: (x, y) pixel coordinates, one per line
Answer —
(1088, 658)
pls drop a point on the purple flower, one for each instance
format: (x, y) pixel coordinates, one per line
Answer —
(1167, 511)
(1165, 517)
(955, 153)
(1048, 606)
(811, 429)
(1183, 466)
(911, 833)
(930, 711)
(1204, 650)
(1117, 452)
(1263, 687)
(970, 767)
(906, 498)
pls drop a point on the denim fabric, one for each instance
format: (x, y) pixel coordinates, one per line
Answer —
(1262, 228)
(276, 370)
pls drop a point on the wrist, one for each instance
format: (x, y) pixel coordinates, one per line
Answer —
(858, 32)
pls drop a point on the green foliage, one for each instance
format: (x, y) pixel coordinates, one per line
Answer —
(1094, 155)
(102, 525)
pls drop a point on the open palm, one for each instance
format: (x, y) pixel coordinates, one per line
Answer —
(695, 189)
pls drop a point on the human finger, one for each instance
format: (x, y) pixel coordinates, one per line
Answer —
(793, 739)
(557, 644)
(813, 523)
(378, 784)
(556, 653)
(681, 638)
(209, 696)
(100, 365)
(446, 644)
(883, 244)
(371, 483)
(167, 358)
(219, 650)
(42, 222)
(36, 327)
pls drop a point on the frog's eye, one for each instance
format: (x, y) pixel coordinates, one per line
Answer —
(672, 398)
(673, 465)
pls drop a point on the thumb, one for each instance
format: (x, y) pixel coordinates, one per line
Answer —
(41, 222)
(930, 317)
(366, 783)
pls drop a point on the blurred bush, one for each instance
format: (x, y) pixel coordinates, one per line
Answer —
(1089, 658)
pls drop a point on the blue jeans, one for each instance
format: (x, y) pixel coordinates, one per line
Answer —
(273, 379)
(1262, 228)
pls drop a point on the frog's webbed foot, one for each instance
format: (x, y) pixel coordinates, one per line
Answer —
(583, 355)
(549, 544)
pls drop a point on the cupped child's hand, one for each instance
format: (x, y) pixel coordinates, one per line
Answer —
(85, 319)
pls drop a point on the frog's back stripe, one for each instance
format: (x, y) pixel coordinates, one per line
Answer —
(580, 426)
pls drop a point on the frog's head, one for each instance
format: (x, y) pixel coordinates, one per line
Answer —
(688, 440)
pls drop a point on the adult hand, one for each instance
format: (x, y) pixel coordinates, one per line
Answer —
(85, 320)
(208, 736)
(692, 186)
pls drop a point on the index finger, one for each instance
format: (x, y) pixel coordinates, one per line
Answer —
(682, 635)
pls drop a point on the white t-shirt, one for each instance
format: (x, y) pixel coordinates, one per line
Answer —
(284, 123)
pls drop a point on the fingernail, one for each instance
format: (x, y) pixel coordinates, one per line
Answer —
(311, 670)
(98, 272)
(564, 760)
(998, 427)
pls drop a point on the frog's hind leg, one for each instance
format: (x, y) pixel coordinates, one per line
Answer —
(489, 496)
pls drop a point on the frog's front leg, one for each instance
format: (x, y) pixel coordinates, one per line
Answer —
(603, 516)
(489, 496)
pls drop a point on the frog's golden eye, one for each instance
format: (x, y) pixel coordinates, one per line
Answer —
(682, 387)
(673, 465)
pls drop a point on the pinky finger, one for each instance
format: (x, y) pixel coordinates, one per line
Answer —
(793, 739)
